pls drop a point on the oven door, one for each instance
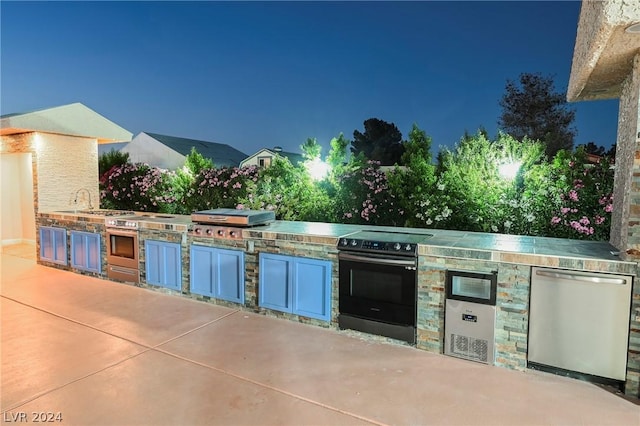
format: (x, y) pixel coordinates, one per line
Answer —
(378, 288)
(122, 248)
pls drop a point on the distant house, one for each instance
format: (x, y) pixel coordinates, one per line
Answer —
(265, 156)
(170, 152)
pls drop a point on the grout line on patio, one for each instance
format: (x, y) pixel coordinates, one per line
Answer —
(275, 389)
(48, 391)
(194, 329)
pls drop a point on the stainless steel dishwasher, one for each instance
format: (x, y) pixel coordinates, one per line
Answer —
(579, 323)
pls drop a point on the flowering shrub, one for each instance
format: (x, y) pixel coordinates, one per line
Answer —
(221, 188)
(136, 187)
(363, 196)
(567, 197)
(584, 206)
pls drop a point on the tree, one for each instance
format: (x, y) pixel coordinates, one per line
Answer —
(414, 184)
(381, 141)
(110, 159)
(534, 109)
(592, 148)
(311, 149)
(195, 162)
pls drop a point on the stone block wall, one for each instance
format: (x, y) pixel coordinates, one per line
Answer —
(512, 311)
(92, 225)
(65, 165)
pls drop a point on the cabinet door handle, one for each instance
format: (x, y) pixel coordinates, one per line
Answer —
(583, 278)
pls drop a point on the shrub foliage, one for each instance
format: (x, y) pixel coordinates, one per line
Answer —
(563, 197)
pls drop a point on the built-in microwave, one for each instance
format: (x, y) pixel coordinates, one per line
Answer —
(472, 287)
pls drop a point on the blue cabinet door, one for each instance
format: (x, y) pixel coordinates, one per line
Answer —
(217, 273)
(163, 264)
(202, 270)
(295, 285)
(85, 251)
(274, 283)
(312, 288)
(53, 245)
(230, 275)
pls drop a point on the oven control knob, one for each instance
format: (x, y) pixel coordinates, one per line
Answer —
(396, 246)
(354, 242)
(407, 247)
(221, 232)
(344, 242)
(197, 231)
(208, 231)
(232, 234)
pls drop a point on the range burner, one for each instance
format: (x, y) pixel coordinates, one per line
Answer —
(400, 243)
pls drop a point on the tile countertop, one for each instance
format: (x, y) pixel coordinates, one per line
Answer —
(597, 256)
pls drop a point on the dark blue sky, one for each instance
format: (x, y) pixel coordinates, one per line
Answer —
(256, 75)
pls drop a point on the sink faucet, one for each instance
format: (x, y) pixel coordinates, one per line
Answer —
(75, 200)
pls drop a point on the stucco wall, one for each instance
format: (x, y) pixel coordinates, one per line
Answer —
(65, 165)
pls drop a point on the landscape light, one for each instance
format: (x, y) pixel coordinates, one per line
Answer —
(317, 169)
(509, 170)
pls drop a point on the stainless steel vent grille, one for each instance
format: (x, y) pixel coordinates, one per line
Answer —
(469, 348)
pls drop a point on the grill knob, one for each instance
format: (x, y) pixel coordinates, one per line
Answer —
(354, 242)
(396, 246)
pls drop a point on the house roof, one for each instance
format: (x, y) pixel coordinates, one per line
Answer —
(293, 157)
(73, 120)
(220, 154)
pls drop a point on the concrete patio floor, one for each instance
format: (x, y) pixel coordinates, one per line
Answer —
(103, 353)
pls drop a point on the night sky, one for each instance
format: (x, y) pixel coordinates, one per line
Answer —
(260, 74)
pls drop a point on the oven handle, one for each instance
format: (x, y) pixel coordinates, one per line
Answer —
(372, 258)
(122, 232)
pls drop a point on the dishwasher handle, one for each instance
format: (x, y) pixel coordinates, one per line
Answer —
(584, 278)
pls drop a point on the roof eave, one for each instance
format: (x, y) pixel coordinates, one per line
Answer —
(604, 51)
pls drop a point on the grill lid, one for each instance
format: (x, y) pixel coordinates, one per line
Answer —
(234, 217)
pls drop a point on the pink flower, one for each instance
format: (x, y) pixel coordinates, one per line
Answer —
(555, 220)
(573, 195)
(608, 208)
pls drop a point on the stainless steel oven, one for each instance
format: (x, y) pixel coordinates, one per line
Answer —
(122, 250)
(378, 283)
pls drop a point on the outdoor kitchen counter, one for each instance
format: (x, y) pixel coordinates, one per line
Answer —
(595, 256)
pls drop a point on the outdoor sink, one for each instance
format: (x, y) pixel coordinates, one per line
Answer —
(97, 212)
